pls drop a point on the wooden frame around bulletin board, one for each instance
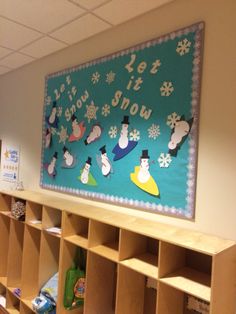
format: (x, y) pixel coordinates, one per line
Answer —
(124, 128)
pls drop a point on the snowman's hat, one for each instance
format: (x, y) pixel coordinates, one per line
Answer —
(89, 161)
(73, 118)
(54, 104)
(65, 149)
(55, 155)
(103, 149)
(125, 120)
(145, 154)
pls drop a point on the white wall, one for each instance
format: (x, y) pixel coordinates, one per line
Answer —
(22, 93)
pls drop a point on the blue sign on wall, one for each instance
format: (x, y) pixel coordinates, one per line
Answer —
(123, 128)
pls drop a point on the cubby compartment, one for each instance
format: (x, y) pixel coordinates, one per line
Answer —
(34, 215)
(4, 247)
(12, 303)
(51, 221)
(2, 295)
(186, 270)
(104, 240)
(76, 229)
(5, 203)
(49, 257)
(15, 253)
(139, 253)
(26, 308)
(100, 285)
(169, 300)
(31, 252)
(70, 258)
(136, 293)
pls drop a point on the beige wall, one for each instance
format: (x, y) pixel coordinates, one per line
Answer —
(22, 93)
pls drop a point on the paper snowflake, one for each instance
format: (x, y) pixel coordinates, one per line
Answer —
(95, 77)
(106, 110)
(166, 89)
(48, 100)
(172, 119)
(91, 112)
(59, 111)
(53, 131)
(154, 131)
(134, 135)
(164, 160)
(63, 136)
(113, 131)
(183, 47)
(68, 79)
(110, 77)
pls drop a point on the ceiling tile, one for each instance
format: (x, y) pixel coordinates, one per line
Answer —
(42, 47)
(90, 4)
(15, 36)
(42, 15)
(4, 52)
(80, 29)
(4, 70)
(119, 11)
(15, 60)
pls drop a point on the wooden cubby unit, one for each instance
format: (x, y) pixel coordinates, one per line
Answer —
(134, 266)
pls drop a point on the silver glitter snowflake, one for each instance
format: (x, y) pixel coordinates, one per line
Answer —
(172, 119)
(164, 160)
(113, 131)
(166, 89)
(106, 110)
(134, 135)
(154, 131)
(183, 47)
(91, 112)
(110, 77)
(63, 136)
(95, 77)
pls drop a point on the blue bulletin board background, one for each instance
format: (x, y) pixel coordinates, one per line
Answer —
(123, 128)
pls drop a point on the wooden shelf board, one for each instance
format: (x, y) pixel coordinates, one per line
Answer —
(28, 302)
(78, 240)
(11, 289)
(190, 281)
(145, 264)
(56, 235)
(13, 311)
(36, 226)
(109, 251)
(6, 213)
(3, 281)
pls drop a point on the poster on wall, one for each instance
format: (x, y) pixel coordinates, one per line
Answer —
(123, 128)
(9, 162)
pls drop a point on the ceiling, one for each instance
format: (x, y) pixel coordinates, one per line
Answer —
(32, 29)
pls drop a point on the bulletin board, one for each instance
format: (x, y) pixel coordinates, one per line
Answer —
(123, 128)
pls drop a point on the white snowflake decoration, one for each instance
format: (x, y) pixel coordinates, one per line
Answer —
(134, 135)
(113, 131)
(63, 136)
(166, 89)
(183, 47)
(53, 131)
(59, 111)
(172, 119)
(154, 131)
(91, 112)
(110, 77)
(95, 77)
(106, 110)
(164, 160)
(48, 100)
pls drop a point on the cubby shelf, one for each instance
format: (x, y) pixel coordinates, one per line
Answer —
(134, 266)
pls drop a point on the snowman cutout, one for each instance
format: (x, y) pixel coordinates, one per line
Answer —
(124, 145)
(51, 167)
(94, 134)
(48, 138)
(104, 162)
(179, 135)
(78, 129)
(69, 159)
(142, 177)
(86, 177)
(52, 119)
